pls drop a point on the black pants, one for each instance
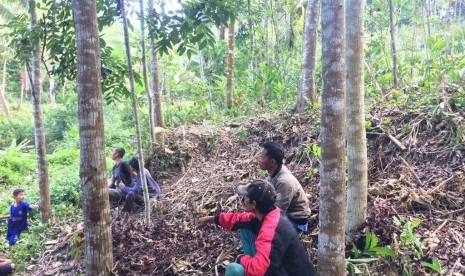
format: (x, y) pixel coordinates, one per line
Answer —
(132, 198)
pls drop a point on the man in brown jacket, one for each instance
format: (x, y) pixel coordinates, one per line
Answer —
(291, 197)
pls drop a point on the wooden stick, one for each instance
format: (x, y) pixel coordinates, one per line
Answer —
(440, 185)
(451, 271)
(394, 139)
(453, 212)
(440, 227)
(411, 170)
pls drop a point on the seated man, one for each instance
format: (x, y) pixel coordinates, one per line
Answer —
(135, 194)
(291, 197)
(269, 240)
(119, 173)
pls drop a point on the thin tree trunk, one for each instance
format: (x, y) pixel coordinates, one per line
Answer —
(201, 64)
(267, 43)
(222, 32)
(157, 104)
(230, 73)
(23, 77)
(63, 88)
(331, 239)
(136, 116)
(307, 76)
(251, 33)
(356, 135)
(39, 133)
(4, 103)
(52, 92)
(291, 27)
(428, 16)
(144, 74)
(95, 204)
(393, 44)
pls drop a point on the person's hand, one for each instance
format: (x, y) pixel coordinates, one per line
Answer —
(238, 258)
(121, 186)
(205, 220)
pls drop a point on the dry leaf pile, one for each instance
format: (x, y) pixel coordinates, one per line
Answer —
(416, 170)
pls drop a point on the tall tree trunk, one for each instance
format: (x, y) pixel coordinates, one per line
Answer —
(356, 136)
(278, 49)
(307, 75)
(63, 89)
(157, 104)
(331, 239)
(267, 42)
(23, 78)
(251, 33)
(230, 73)
(291, 27)
(136, 116)
(39, 133)
(95, 204)
(393, 43)
(222, 32)
(52, 92)
(144, 73)
(5, 107)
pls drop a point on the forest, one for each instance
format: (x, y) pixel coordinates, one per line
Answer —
(365, 98)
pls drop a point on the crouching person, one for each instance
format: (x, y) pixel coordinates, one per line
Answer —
(270, 242)
(134, 195)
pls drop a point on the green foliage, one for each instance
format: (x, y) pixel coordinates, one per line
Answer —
(18, 127)
(76, 251)
(408, 238)
(59, 121)
(435, 265)
(30, 245)
(313, 150)
(17, 166)
(189, 26)
(242, 134)
(359, 266)
(371, 248)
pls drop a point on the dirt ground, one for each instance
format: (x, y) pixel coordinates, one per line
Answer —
(416, 171)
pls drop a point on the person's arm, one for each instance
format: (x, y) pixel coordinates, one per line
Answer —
(284, 195)
(135, 189)
(111, 181)
(4, 216)
(206, 220)
(34, 206)
(4, 262)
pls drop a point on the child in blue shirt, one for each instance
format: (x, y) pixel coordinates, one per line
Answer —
(17, 221)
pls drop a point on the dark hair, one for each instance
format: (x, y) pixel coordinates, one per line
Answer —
(264, 195)
(16, 192)
(265, 208)
(274, 151)
(134, 163)
(120, 152)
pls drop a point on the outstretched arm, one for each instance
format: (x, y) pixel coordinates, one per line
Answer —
(4, 217)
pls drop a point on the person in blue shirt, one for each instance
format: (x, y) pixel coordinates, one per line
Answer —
(17, 221)
(134, 194)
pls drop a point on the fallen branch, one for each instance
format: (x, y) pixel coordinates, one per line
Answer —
(440, 185)
(394, 139)
(455, 212)
(411, 170)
